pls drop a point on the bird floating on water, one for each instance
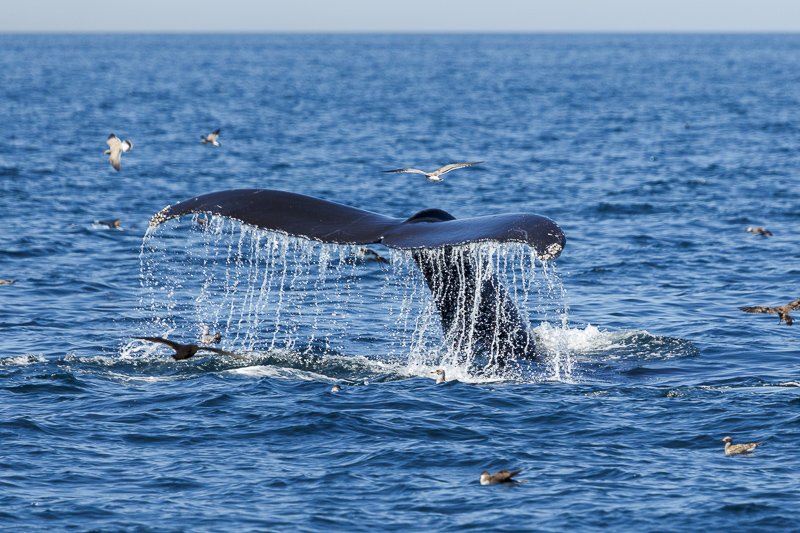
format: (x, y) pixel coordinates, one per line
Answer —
(336, 388)
(781, 310)
(440, 378)
(758, 230)
(7, 281)
(117, 147)
(436, 174)
(211, 138)
(115, 223)
(185, 351)
(206, 337)
(503, 476)
(735, 449)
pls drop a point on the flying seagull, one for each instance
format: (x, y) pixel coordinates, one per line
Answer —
(439, 375)
(781, 310)
(758, 230)
(116, 147)
(211, 138)
(436, 174)
(370, 254)
(734, 449)
(503, 476)
(184, 351)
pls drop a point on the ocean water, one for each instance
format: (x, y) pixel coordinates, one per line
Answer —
(653, 153)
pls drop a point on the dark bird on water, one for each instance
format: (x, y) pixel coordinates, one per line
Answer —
(115, 223)
(758, 230)
(734, 449)
(117, 147)
(503, 476)
(781, 310)
(185, 351)
(436, 175)
(211, 138)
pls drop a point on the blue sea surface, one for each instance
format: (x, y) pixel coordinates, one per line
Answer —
(652, 152)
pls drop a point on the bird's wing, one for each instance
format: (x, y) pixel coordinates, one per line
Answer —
(505, 475)
(172, 344)
(412, 170)
(760, 309)
(794, 305)
(219, 351)
(125, 145)
(447, 168)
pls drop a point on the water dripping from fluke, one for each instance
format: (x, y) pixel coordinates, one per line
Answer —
(275, 271)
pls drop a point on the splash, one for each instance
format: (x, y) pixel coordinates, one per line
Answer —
(268, 292)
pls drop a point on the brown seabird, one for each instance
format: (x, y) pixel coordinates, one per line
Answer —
(211, 138)
(781, 310)
(758, 230)
(734, 449)
(115, 223)
(116, 147)
(185, 351)
(436, 174)
(503, 476)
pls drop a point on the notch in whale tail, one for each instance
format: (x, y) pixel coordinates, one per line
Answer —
(494, 317)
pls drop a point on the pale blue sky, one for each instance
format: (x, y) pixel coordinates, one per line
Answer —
(400, 16)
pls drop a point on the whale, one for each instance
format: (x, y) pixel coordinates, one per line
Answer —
(467, 303)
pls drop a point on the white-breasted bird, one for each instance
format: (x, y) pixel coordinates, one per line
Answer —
(436, 175)
(735, 449)
(117, 147)
(440, 378)
(212, 138)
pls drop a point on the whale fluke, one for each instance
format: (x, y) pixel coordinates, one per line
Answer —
(331, 222)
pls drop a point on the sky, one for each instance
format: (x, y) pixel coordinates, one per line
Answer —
(399, 15)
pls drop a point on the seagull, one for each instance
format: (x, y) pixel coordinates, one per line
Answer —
(734, 449)
(110, 223)
(7, 281)
(336, 388)
(211, 138)
(503, 476)
(436, 174)
(116, 147)
(781, 310)
(439, 375)
(758, 230)
(184, 351)
(370, 254)
(207, 338)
